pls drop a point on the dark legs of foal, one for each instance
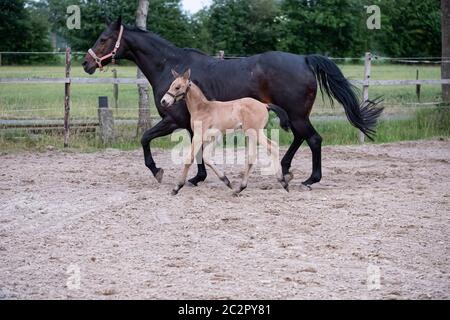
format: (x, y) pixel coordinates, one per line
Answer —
(164, 127)
(303, 130)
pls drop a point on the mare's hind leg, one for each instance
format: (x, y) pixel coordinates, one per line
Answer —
(273, 149)
(286, 162)
(207, 154)
(314, 140)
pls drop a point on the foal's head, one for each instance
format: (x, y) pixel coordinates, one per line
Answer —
(178, 88)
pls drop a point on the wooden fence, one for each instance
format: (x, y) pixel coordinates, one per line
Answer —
(365, 83)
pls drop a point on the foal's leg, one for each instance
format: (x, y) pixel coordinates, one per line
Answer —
(207, 152)
(273, 149)
(250, 159)
(186, 167)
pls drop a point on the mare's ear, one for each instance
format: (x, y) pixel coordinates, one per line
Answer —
(116, 25)
(107, 21)
(187, 74)
(175, 74)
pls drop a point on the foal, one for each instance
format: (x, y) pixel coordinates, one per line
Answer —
(247, 114)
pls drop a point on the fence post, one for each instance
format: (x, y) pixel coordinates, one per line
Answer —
(106, 121)
(367, 67)
(145, 120)
(418, 87)
(67, 98)
(221, 55)
(115, 91)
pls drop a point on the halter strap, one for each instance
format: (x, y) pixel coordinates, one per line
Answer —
(180, 96)
(113, 53)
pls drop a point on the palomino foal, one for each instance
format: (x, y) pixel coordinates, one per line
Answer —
(247, 114)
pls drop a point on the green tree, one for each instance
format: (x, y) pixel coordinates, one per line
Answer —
(331, 27)
(201, 37)
(409, 28)
(21, 29)
(168, 20)
(165, 18)
(243, 26)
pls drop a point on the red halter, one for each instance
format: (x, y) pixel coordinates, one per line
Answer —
(110, 55)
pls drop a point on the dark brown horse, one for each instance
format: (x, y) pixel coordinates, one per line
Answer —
(287, 80)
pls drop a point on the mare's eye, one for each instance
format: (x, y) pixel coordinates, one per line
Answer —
(102, 40)
(178, 88)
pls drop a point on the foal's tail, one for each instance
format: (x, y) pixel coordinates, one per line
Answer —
(284, 118)
(331, 80)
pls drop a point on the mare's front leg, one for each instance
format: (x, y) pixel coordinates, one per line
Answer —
(187, 165)
(164, 127)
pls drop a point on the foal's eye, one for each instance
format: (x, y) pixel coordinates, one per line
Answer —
(102, 40)
(178, 88)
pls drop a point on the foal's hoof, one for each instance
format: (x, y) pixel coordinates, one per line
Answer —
(227, 182)
(288, 177)
(237, 192)
(174, 192)
(159, 175)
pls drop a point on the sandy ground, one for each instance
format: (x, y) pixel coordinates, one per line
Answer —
(98, 226)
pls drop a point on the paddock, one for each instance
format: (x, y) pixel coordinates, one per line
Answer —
(90, 225)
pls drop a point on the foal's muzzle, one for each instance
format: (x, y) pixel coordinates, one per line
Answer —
(167, 101)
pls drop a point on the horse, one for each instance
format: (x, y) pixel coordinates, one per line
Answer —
(216, 118)
(288, 80)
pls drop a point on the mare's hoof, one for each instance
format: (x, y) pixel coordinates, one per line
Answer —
(159, 175)
(288, 177)
(193, 182)
(306, 187)
(196, 180)
(174, 192)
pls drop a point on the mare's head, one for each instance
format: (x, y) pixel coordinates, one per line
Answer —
(108, 47)
(178, 89)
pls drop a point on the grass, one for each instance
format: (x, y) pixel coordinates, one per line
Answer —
(46, 102)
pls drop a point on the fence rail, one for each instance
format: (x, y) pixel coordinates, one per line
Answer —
(365, 83)
(74, 80)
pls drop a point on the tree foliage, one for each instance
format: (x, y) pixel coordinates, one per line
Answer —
(241, 27)
(22, 29)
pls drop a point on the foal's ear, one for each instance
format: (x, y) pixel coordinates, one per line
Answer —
(187, 74)
(175, 74)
